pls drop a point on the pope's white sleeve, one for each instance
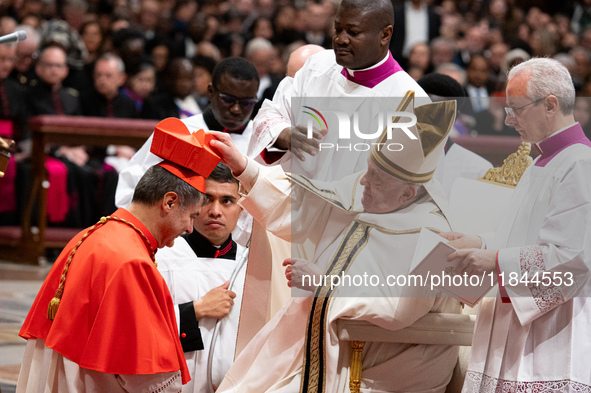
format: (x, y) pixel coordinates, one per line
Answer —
(291, 213)
(268, 197)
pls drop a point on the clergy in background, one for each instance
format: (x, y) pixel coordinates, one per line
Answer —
(535, 336)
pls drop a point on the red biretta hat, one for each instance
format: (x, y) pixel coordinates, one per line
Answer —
(186, 155)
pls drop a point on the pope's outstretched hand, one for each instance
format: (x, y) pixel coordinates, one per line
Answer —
(230, 154)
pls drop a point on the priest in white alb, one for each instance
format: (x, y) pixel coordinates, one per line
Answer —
(360, 69)
(535, 336)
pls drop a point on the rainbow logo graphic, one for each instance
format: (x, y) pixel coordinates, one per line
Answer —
(315, 112)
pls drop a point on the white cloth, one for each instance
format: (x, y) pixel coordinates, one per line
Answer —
(541, 341)
(459, 162)
(143, 159)
(47, 371)
(272, 361)
(188, 104)
(320, 84)
(189, 278)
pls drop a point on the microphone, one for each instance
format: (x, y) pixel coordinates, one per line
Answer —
(17, 36)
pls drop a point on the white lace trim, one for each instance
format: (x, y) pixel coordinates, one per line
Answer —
(478, 383)
(532, 261)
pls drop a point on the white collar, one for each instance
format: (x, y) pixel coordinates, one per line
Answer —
(352, 72)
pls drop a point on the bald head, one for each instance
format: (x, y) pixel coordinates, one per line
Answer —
(299, 56)
(381, 11)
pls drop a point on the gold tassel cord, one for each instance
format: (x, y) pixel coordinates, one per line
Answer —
(55, 302)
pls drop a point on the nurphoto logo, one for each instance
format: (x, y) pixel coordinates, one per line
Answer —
(315, 116)
(349, 124)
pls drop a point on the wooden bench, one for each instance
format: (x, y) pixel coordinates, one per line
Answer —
(27, 242)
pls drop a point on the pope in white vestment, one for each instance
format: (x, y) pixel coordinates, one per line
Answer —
(360, 69)
(326, 86)
(298, 350)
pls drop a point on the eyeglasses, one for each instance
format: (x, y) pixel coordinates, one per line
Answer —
(230, 100)
(513, 112)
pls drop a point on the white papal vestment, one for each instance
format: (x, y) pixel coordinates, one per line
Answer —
(320, 85)
(355, 243)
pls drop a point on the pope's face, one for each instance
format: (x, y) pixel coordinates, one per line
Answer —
(357, 41)
(382, 192)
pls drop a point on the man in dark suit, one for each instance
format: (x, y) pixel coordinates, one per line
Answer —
(425, 24)
(13, 117)
(48, 96)
(178, 99)
(105, 100)
(13, 113)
